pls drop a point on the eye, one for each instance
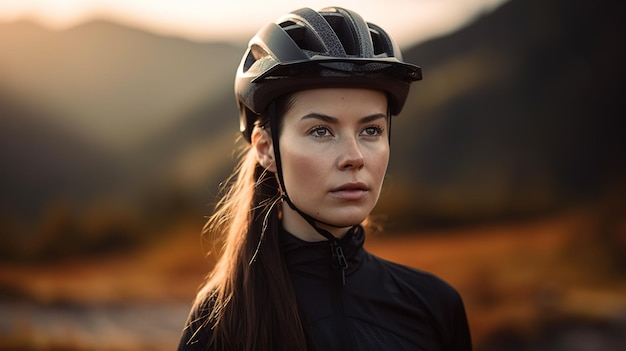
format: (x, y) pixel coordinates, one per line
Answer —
(320, 132)
(372, 131)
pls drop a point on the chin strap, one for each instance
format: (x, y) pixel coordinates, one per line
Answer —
(339, 259)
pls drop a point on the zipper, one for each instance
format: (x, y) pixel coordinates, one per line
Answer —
(339, 260)
(338, 281)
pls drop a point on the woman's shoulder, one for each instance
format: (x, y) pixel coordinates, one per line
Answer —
(416, 281)
(431, 293)
(420, 290)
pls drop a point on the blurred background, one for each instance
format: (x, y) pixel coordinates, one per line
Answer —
(507, 177)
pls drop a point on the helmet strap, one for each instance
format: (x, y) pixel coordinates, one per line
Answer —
(389, 123)
(274, 130)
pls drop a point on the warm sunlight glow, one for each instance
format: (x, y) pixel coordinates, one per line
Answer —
(409, 21)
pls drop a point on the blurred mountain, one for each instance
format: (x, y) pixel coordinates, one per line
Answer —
(41, 161)
(515, 115)
(103, 110)
(113, 82)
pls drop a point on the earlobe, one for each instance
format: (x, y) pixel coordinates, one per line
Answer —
(264, 150)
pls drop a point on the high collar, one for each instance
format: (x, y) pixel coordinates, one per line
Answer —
(315, 259)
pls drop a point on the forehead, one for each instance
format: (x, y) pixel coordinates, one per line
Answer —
(337, 102)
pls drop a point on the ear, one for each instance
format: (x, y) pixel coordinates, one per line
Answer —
(262, 143)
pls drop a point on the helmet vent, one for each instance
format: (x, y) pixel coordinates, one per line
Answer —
(380, 49)
(254, 55)
(383, 44)
(344, 33)
(258, 52)
(304, 38)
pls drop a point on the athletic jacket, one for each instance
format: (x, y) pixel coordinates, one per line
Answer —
(351, 300)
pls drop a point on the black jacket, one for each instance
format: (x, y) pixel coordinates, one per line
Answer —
(372, 304)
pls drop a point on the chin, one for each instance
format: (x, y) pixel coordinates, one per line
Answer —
(345, 220)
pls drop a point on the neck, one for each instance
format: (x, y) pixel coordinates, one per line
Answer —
(293, 222)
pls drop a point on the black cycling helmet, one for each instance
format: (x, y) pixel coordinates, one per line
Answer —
(307, 49)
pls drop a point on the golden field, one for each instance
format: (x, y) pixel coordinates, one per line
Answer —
(516, 278)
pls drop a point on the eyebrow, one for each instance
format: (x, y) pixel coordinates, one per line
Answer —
(331, 119)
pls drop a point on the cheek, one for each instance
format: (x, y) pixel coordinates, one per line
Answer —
(303, 170)
(379, 162)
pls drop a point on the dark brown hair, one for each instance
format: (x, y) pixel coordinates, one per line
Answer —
(250, 298)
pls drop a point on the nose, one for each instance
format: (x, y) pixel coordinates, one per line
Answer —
(351, 156)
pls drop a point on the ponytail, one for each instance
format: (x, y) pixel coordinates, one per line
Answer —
(250, 298)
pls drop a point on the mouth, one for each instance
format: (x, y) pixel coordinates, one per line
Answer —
(358, 186)
(350, 191)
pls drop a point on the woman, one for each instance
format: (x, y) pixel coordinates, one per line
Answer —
(316, 92)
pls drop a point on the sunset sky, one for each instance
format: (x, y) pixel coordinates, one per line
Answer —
(409, 21)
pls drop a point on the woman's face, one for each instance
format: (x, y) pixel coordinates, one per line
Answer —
(334, 149)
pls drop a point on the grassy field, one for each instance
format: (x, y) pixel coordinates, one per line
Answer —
(515, 278)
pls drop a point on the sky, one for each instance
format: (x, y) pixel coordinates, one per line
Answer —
(408, 21)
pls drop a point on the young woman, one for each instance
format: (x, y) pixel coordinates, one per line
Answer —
(316, 92)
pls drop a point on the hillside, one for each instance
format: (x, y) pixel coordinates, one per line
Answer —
(513, 118)
(516, 113)
(113, 82)
(103, 111)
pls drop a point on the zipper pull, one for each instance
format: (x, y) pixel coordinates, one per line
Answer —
(339, 260)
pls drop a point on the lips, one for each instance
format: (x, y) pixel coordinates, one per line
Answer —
(351, 186)
(350, 191)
